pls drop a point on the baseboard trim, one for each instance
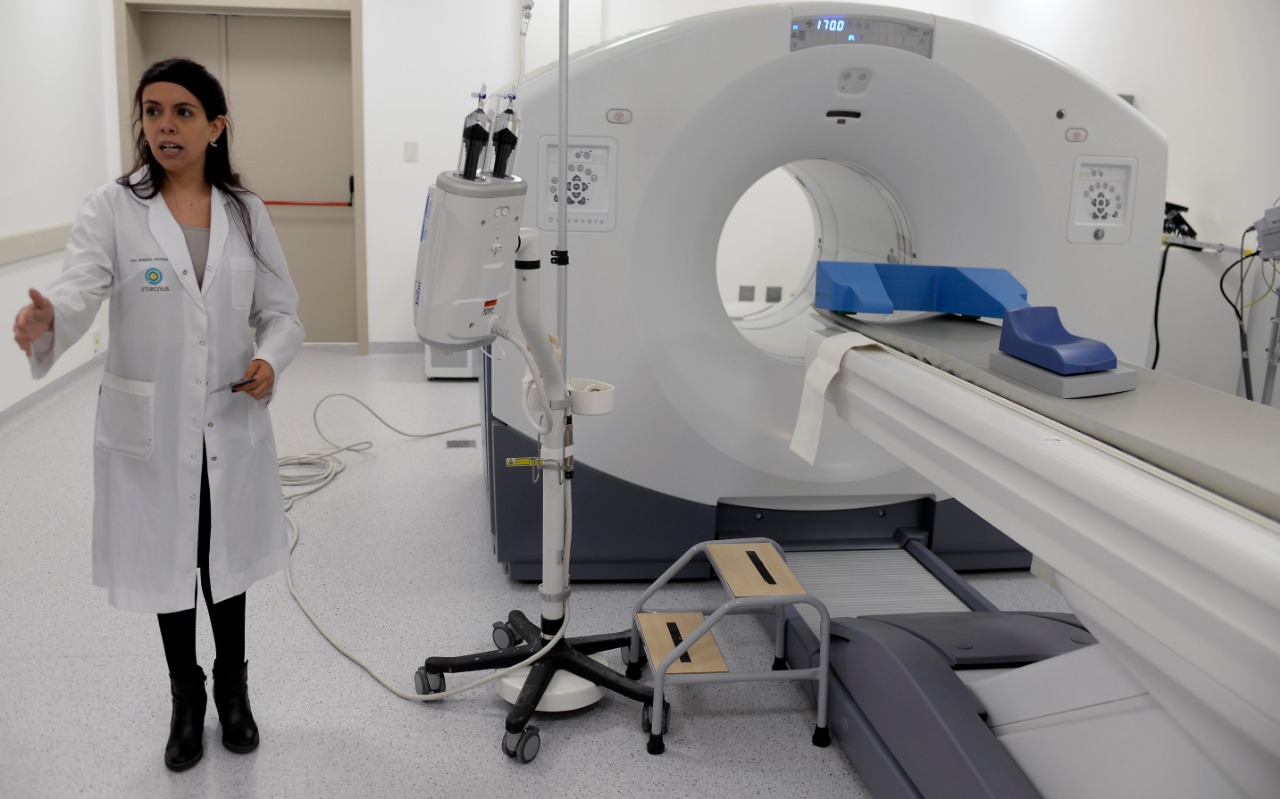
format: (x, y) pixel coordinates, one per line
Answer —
(39, 395)
(375, 347)
(45, 391)
(15, 247)
(395, 347)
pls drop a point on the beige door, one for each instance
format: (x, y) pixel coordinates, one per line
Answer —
(288, 84)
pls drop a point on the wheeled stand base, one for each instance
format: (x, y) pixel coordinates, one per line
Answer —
(522, 741)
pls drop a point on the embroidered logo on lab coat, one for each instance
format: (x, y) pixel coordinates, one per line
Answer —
(153, 277)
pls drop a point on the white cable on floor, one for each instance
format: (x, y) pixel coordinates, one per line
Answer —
(323, 468)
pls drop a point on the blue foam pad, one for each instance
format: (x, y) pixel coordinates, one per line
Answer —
(859, 287)
(851, 287)
(1036, 335)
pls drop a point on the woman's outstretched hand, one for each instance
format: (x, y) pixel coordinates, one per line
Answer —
(33, 321)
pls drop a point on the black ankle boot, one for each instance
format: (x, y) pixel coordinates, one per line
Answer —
(186, 727)
(231, 697)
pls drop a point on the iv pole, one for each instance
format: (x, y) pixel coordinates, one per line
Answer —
(545, 646)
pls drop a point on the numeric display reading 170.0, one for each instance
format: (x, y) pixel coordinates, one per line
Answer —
(912, 36)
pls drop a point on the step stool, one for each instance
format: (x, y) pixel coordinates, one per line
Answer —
(682, 649)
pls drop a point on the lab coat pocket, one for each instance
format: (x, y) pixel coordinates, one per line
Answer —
(243, 272)
(259, 421)
(126, 416)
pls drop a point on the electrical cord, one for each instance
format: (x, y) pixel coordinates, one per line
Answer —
(1155, 321)
(1222, 289)
(543, 427)
(320, 469)
(1244, 276)
(1237, 309)
(1271, 284)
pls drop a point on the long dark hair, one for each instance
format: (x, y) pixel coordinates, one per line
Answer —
(217, 160)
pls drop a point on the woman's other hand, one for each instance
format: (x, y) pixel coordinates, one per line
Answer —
(33, 321)
(261, 377)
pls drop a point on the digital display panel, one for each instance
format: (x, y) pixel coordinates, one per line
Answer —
(913, 37)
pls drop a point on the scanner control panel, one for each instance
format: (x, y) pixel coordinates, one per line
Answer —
(589, 188)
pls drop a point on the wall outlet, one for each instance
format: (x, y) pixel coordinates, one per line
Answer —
(95, 335)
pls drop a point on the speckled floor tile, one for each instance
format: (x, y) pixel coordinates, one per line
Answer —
(395, 559)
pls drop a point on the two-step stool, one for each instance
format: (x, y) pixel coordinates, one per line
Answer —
(680, 645)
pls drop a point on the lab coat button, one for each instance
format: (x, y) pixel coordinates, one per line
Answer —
(210, 424)
(202, 344)
(214, 458)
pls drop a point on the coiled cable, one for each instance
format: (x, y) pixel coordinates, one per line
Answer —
(316, 470)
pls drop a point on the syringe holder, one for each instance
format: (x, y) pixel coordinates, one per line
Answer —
(537, 465)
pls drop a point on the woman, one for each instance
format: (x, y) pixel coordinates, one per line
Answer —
(203, 319)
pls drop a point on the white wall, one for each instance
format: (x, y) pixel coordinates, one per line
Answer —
(422, 62)
(56, 134)
(626, 16)
(51, 57)
(586, 27)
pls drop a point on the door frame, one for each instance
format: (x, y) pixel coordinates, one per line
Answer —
(127, 16)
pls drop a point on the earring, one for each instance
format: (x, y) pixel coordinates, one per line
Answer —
(213, 143)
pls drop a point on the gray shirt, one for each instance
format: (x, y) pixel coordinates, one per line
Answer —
(198, 246)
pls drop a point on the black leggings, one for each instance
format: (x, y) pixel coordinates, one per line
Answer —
(178, 630)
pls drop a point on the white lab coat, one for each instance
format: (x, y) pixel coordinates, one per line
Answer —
(172, 342)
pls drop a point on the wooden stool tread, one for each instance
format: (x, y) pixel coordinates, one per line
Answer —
(660, 631)
(754, 570)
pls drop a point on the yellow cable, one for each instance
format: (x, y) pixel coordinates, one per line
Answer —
(1270, 287)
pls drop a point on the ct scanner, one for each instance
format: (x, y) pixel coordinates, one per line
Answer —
(925, 140)
(917, 139)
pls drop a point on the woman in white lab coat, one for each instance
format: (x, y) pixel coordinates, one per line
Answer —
(202, 321)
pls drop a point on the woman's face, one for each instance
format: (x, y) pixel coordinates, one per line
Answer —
(177, 128)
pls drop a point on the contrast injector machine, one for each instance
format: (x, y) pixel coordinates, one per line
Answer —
(470, 231)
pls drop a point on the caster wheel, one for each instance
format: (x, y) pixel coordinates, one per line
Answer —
(426, 682)
(646, 717)
(503, 636)
(522, 746)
